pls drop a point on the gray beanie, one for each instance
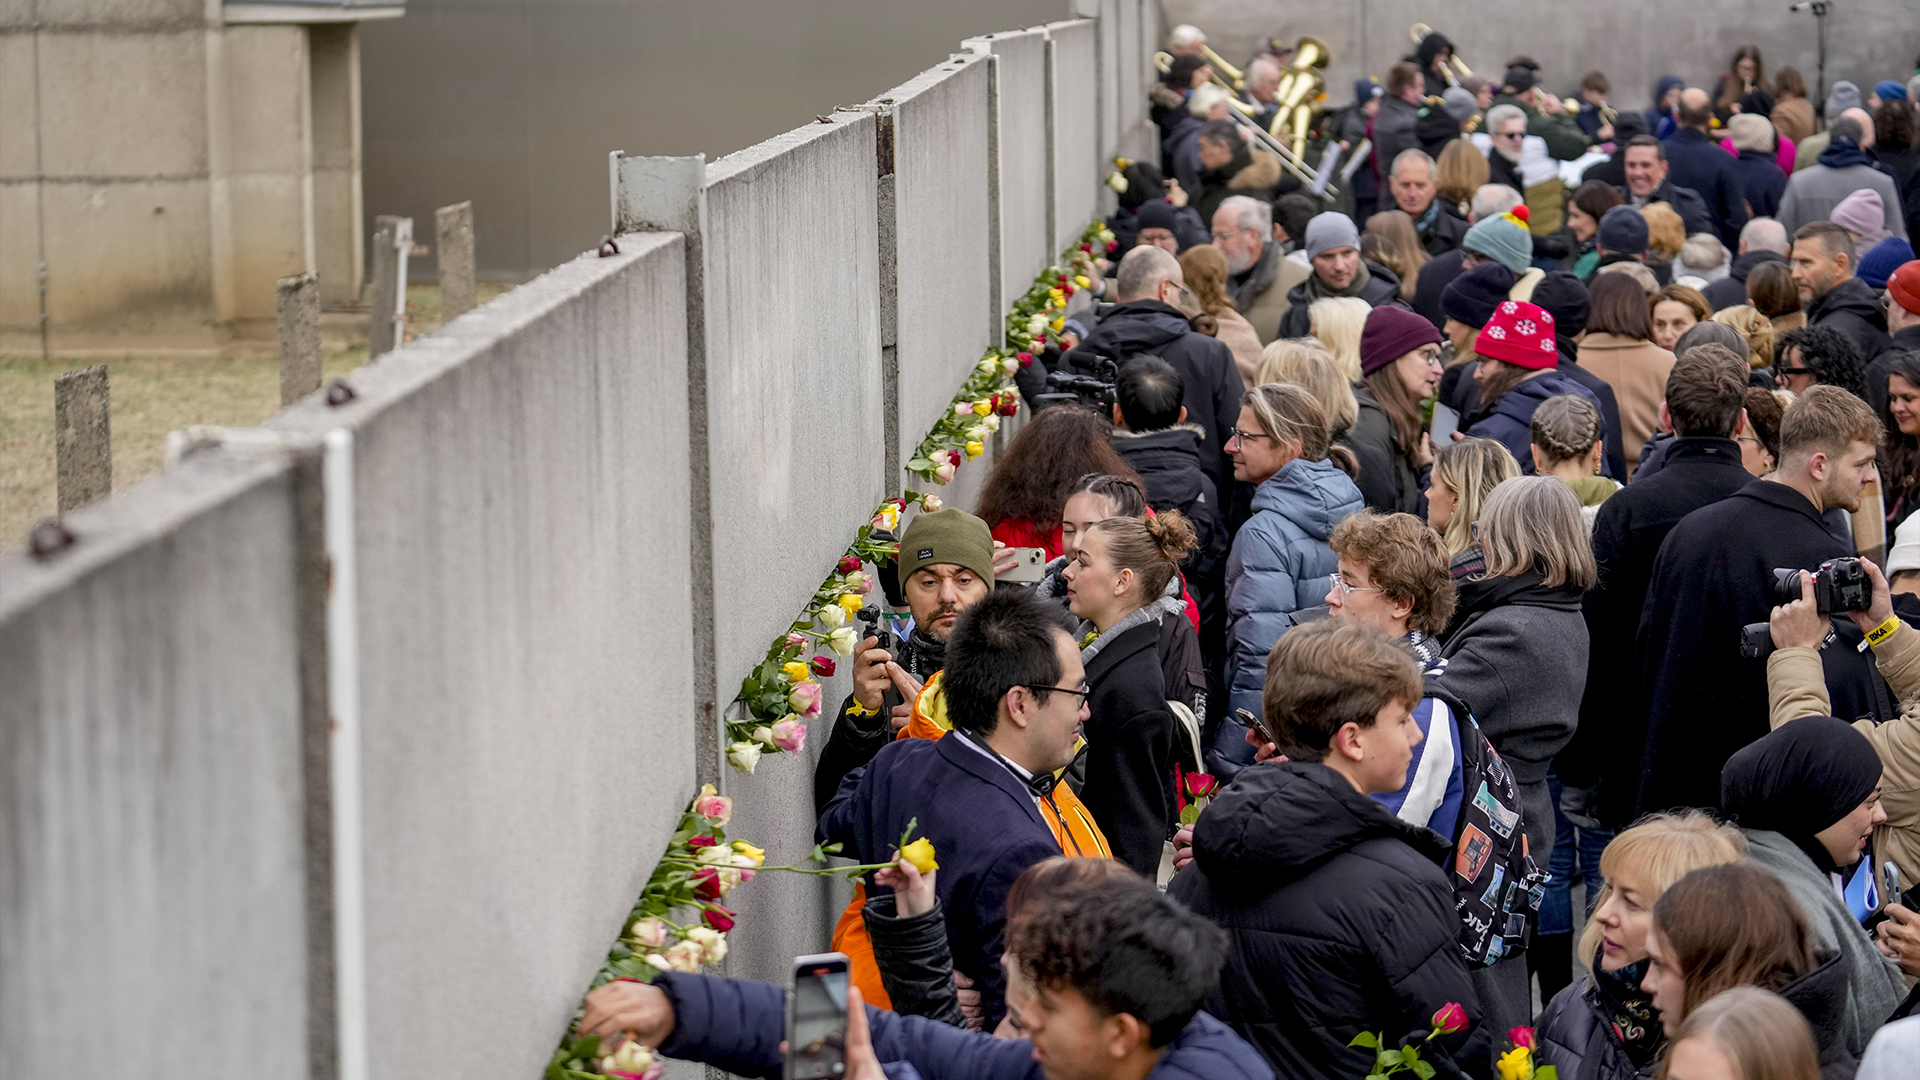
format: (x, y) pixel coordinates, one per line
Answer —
(1844, 96)
(1328, 231)
(1460, 103)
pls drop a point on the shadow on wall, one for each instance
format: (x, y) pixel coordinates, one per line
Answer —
(1633, 41)
(516, 105)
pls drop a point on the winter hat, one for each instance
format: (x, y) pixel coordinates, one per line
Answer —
(1391, 333)
(1460, 103)
(1471, 297)
(1844, 96)
(1365, 90)
(1904, 286)
(1862, 214)
(1623, 230)
(946, 537)
(1799, 779)
(1562, 296)
(1155, 214)
(1518, 79)
(1503, 238)
(1879, 263)
(1330, 231)
(1905, 553)
(1888, 90)
(1627, 125)
(1521, 334)
(1750, 131)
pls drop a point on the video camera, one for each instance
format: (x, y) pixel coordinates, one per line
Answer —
(1094, 387)
(1839, 586)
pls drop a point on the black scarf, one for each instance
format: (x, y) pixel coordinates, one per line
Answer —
(1479, 594)
(920, 655)
(1799, 779)
(1842, 152)
(1634, 1024)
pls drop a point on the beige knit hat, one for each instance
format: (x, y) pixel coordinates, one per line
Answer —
(1750, 131)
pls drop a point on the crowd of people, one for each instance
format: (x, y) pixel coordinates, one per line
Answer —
(1497, 595)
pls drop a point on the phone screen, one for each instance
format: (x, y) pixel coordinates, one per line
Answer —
(1445, 423)
(817, 1022)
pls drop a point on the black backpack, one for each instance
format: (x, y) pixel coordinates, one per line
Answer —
(1497, 887)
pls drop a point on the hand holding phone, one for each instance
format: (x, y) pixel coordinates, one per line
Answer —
(1029, 564)
(817, 1009)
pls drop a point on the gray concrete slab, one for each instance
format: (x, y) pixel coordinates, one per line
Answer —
(151, 805)
(1133, 92)
(453, 253)
(299, 309)
(1076, 129)
(794, 395)
(524, 594)
(83, 436)
(1025, 247)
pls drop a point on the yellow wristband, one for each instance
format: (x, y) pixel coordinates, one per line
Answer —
(857, 709)
(1884, 631)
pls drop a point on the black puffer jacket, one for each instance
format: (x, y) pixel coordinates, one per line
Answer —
(1387, 479)
(855, 738)
(916, 966)
(1340, 917)
(1382, 287)
(1168, 462)
(1577, 1035)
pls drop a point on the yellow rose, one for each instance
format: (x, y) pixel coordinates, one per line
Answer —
(851, 603)
(1059, 324)
(1083, 281)
(975, 449)
(796, 671)
(920, 854)
(1516, 1064)
(758, 855)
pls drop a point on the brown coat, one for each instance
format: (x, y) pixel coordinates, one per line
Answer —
(1637, 371)
(1237, 333)
(1797, 686)
(1793, 117)
(1271, 306)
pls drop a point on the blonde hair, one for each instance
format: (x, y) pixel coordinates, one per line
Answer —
(1205, 269)
(1666, 232)
(1761, 1032)
(1289, 414)
(1151, 547)
(1338, 322)
(1471, 468)
(1565, 427)
(1533, 523)
(1662, 848)
(1303, 362)
(1756, 328)
(1463, 170)
(1395, 229)
(1637, 271)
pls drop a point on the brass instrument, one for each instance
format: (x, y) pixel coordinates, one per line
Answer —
(1301, 85)
(1292, 158)
(1234, 76)
(1420, 30)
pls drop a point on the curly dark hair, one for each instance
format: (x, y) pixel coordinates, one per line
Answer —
(1900, 454)
(1031, 478)
(1829, 355)
(1894, 124)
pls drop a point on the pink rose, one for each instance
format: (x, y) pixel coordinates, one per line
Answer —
(791, 735)
(804, 700)
(796, 640)
(701, 841)
(1026, 359)
(715, 808)
(1200, 785)
(1452, 1017)
(1523, 1036)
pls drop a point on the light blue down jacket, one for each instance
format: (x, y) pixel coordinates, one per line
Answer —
(1280, 563)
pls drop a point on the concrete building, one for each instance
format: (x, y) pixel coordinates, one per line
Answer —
(163, 162)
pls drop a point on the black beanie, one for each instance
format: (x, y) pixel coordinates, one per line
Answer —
(1154, 214)
(1471, 297)
(1564, 298)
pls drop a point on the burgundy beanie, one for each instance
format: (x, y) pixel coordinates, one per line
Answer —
(1391, 333)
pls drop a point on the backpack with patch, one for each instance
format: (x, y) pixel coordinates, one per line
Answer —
(1497, 887)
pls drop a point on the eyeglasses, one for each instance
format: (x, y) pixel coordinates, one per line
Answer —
(1340, 586)
(1243, 436)
(1782, 373)
(1431, 353)
(1514, 135)
(1223, 237)
(1083, 693)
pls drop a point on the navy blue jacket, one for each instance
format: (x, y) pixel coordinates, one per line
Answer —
(1710, 172)
(1511, 422)
(738, 1026)
(1761, 181)
(982, 820)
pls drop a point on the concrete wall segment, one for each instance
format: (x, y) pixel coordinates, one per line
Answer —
(1024, 243)
(1076, 129)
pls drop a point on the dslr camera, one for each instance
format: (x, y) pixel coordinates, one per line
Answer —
(1094, 387)
(1839, 586)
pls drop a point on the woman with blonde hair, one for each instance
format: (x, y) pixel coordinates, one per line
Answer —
(1337, 323)
(1666, 234)
(1517, 649)
(1402, 252)
(1205, 269)
(1755, 328)
(1566, 446)
(1461, 172)
(1464, 474)
(1280, 562)
(1304, 362)
(1744, 1034)
(1603, 1025)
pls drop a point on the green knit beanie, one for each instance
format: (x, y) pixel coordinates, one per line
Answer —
(954, 537)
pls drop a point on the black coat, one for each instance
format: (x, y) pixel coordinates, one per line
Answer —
(1382, 288)
(1433, 281)
(1731, 291)
(1700, 166)
(1131, 748)
(1761, 181)
(1611, 171)
(1627, 534)
(1704, 701)
(1340, 916)
(1684, 201)
(915, 964)
(1206, 367)
(1446, 231)
(1852, 308)
(1395, 130)
(855, 738)
(1168, 462)
(1822, 998)
(1579, 1039)
(1387, 479)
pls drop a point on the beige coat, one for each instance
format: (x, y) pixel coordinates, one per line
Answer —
(1271, 306)
(1637, 371)
(1797, 686)
(1237, 333)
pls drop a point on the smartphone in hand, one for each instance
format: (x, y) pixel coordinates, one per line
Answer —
(1031, 566)
(817, 1018)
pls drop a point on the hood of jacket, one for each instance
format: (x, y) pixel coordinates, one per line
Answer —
(1519, 403)
(1851, 295)
(1430, 47)
(1742, 265)
(1170, 454)
(1207, 1049)
(1483, 594)
(1279, 822)
(1260, 172)
(1137, 326)
(1842, 152)
(1821, 996)
(1314, 495)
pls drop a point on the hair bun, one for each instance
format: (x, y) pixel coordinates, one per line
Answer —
(1173, 534)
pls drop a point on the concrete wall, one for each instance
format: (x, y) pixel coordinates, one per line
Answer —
(1021, 71)
(1634, 43)
(1075, 80)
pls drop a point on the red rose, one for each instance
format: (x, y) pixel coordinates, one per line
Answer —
(719, 918)
(706, 884)
(1113, 246)
(1040, 342)
(1200, 785)
(1026, 359)
(1010, 407)
(1452, 1017)
(849, 564)
(823, 666)
(1088, 248)
(1523, 1036)
(1068, 289)
(701, 841)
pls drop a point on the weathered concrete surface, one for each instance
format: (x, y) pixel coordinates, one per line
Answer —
(83, 436)
(1025, 247)
(1633, 42)
(793, 373)
(941, 186)
(524, 593)
(300, 355)
(1106, 16)
(1076, 129)
(385, 331)
(453, 250)
(151, 804)
(339, 256)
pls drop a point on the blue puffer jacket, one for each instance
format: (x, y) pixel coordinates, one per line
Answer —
(738, 1026)
(1511, 422)
(1280, 563)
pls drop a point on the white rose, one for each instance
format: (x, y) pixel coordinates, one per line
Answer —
(844, 640)
(992, 422)
(763, 735)
(832, 617)
(685, 956)
(989, 366)
(743, 756)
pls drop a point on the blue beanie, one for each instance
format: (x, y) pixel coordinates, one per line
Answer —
(1878, 264)
(1623, 231)
(1471, 297)
(1889, 90)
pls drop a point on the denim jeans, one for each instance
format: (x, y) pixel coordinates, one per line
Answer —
(1576, 856)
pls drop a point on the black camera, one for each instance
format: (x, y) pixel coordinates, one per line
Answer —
(1094, 386)
(1839, 585)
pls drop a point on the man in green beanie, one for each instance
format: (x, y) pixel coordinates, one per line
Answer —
(945, 566)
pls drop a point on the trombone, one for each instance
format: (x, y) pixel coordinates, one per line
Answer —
(1241, 113)
(1418, 32)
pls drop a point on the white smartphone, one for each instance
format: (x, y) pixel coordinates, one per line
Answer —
(1030, 565)
(817, 1017)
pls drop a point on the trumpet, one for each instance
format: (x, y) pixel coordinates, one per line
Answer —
(1234, 76)
(1420, 30)
(1241, 113)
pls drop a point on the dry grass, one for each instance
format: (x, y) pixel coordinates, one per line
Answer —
(150, 398)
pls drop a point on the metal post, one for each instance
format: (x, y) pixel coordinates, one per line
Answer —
(392, 243)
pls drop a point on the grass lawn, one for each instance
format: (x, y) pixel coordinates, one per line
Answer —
(150, 398)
